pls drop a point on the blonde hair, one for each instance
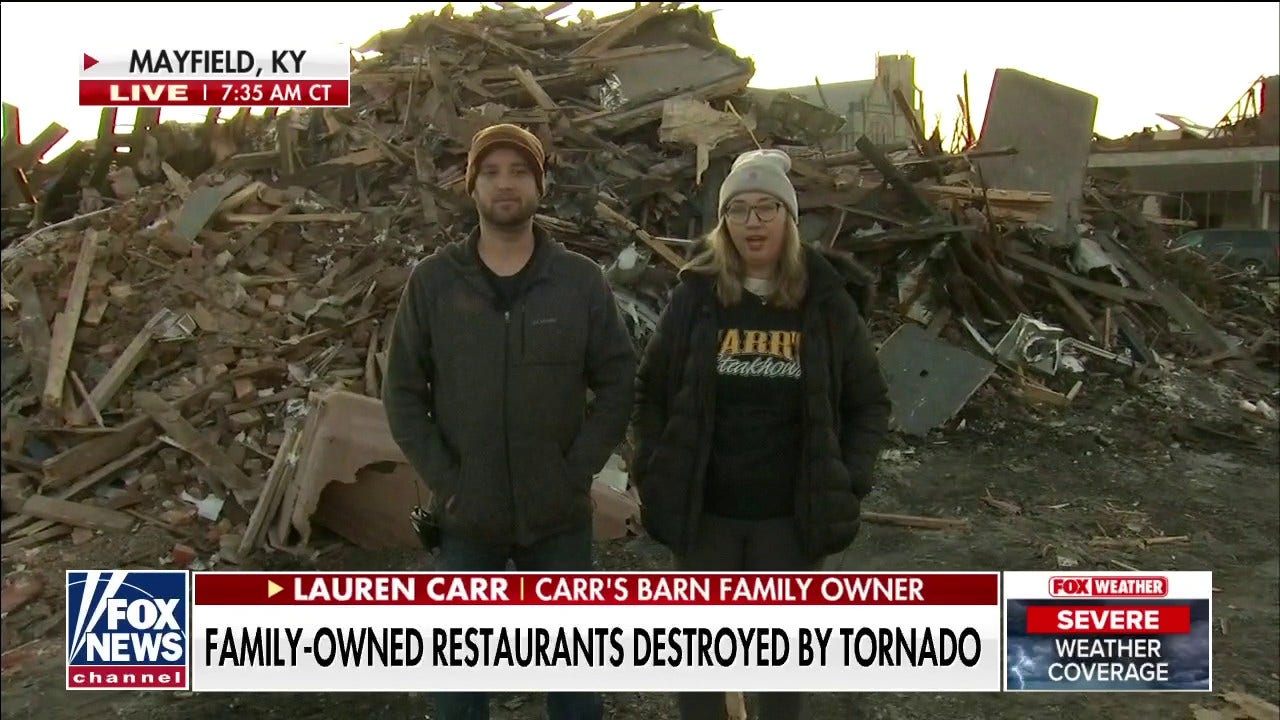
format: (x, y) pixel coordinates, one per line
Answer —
(720, 260)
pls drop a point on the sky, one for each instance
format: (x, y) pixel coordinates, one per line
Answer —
(1189, 59)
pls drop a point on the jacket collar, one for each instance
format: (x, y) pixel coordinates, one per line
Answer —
(464, 253)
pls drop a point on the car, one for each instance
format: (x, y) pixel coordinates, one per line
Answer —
(1250, 251)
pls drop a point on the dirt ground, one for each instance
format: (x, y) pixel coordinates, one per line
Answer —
(1173, 457)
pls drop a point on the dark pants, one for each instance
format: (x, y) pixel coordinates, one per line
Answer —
(753, 546)
(570, 552)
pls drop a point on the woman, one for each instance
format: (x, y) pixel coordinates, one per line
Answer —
(760, 404)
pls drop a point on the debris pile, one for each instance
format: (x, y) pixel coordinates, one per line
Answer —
(182, 336)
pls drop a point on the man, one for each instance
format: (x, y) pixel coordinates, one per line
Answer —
(496, 342)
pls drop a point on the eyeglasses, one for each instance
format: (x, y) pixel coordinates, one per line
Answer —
(740, 213)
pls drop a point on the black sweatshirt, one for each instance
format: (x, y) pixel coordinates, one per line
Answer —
(756, 442)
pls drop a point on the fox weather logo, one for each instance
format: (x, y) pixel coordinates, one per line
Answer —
(127, 630)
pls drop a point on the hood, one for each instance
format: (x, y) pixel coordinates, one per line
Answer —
(831, 270)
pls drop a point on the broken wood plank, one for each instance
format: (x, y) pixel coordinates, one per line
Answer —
(286, 145)
(1254, 707)
(894, 177)
(336, 217)
(1001, 505)
(76, 514)
(18, 461)
(93, 454)
(45, 530)
(1034, 392)
(1168, 296)
(51, 532)
(64, 326)
(531, 86)
(914, 521)
(200, 207)
(618, 32)
(290, 393)
(123, 367)
(180, 184)
(993, 195)
(1111, 292)
(33, 329)
(237, 199)
(939, 322)
(608, 213)
(1077, 316)
(909, 234)
(87, 399)
(272, 493)
(246, 238)
(40, 241)
(210, 455)
(370, 366)
(1138, 543)
(553, 8)
(84, 485)
(424, 168)
(628, 118)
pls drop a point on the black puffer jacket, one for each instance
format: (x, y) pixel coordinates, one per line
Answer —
(846, 410)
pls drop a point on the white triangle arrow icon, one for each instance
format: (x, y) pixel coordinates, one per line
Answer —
(273, 589)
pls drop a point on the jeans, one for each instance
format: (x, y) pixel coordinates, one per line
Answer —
(568, 552)
(728, 545)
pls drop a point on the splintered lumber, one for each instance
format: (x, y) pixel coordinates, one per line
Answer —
(39, 242)
(52, 532)
(1115, 293)
(230, 476)
(64, 326)
(33, 330)
(993, 195)
(77, 514)
(12, 524)
(1077, 316)
(1253, 706)
(914, 521)
(114, 380)
(535, 90)
(296, 218)
(1169, 297)
(272, 492)
(619, 31)
(658, 246)
(93, 454)
(895, 177)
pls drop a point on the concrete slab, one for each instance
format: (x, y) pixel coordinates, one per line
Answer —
(1051, 126)
(929, 379)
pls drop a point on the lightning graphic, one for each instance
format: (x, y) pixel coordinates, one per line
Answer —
(1023, 663)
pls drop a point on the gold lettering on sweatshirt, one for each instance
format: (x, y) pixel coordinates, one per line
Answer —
(759, 353)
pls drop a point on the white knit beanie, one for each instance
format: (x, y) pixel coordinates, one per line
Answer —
(761, 171)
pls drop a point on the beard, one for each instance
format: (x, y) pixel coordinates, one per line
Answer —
(507, 215)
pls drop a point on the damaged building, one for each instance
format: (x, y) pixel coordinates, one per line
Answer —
(871, 107)
(1225, 176)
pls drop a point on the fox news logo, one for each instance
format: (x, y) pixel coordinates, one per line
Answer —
(127, 630)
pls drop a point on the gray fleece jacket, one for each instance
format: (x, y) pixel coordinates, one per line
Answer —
(490, 405)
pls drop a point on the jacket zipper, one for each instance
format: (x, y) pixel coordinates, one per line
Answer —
(506, 425)
(697, 502)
